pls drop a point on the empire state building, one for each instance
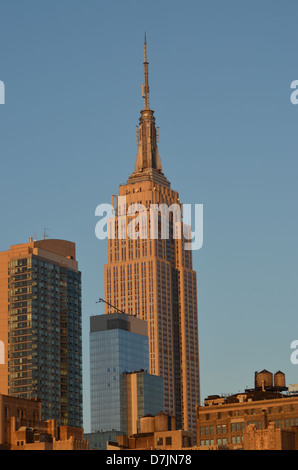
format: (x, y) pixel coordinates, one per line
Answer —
(153, 278)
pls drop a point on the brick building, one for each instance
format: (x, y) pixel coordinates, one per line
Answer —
(239, 420)
(156, 432)
(272, 438)
(21, 428)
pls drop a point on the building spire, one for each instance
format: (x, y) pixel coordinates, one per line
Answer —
(146, 77)
(148, 164)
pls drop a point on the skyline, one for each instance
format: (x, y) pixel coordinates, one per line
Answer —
(71, 80)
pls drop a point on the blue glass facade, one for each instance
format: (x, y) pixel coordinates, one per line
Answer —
(150, 395)
(116, 347)
(141, 395)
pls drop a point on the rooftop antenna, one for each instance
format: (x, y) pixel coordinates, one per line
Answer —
(113, 306)
(145, 86)
(45, 233)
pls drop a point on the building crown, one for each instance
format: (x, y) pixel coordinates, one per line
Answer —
(148, 162)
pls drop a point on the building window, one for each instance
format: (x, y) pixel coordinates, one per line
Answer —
(160, 441)
(186, 441)
(168, 441)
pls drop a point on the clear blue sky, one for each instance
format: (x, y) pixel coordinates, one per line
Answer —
(220, 75)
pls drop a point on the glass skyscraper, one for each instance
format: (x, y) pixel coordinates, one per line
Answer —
(118, 344)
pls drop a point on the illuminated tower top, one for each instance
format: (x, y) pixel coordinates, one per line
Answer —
(148, 164)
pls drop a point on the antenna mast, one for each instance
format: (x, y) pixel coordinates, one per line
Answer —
(145, 86)
(113, 306)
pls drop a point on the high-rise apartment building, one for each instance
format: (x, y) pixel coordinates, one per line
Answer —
(153, 278)
(40, 327)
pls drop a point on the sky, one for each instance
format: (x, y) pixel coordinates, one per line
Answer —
(220, 77)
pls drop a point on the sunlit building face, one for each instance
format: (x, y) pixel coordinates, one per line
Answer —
(153, 278)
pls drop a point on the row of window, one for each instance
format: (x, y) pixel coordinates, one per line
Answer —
(240, 426)
(167, 440)
(251, 411)
(222, 441)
